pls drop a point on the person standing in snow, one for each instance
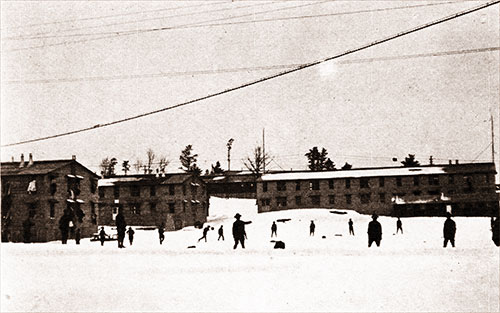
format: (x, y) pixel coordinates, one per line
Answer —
(374, 231)
(239, 231)
(312, 227)
(205, 232)
(78, 235)
(449, 230)
(221, 233)
(161, 231)
(64, 226)
(351, 227)
(495, 230)
(130, 233)
(399, 226)
(102, 236)
(274, 230)
(121, 227)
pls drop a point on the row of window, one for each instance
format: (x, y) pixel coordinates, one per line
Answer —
(136, 208)
(432, 180)
(135, 190)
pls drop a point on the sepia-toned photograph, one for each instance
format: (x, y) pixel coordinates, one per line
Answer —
(250, 156)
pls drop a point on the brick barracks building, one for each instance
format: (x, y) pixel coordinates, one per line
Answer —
(36, 193)
(175, 200)
(431, 190)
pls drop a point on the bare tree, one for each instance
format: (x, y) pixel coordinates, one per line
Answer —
(138, 166)
(151, 158)
(256, 162)
(163, 164)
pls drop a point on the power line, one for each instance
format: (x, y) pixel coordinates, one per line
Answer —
(258, 81)
(482, 151)
(109, 35)
(242, 69)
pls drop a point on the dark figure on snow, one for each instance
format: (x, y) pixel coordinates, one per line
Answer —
(121, 227)
(239, 233)
(374, 231)
(161, 233)
(221, 233)
(449, 231)
(274, 230)
(64, 226)
(495, 230)
(130, 233)
(102, 236)
(312, 227)
(78, 236)
(399, 226)
(351, 227)
(205, 232)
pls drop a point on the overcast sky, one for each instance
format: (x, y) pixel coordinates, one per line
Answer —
(74, 64)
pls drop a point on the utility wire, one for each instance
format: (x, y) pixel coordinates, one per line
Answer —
(241, 69)
(108, 35)
(258, 81)
(482, 151)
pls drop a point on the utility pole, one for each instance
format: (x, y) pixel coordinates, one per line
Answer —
(229, 145)
(492, 139)
(263, 150)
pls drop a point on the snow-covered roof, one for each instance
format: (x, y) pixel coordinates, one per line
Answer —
(111, 181)
(396, 171)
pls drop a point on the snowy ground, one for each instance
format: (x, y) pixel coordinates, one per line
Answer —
(410, 272)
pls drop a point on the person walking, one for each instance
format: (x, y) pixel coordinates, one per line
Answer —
(399, 226)
(102, 236)
(161, 233)
(374, 231)
(312, 227)
(449, 230)
(205, 232)
(221, 233)
(274, 230)
(130, 233)
(121, 227)
(239, 233)
(78, 235)
(351, 227)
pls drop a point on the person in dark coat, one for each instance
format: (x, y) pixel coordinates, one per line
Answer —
(351, 227)
(78, 236)
(205, 232)
(495, 230)
(102, 236)
(449, 230)
(221, 233)
(399, 226)
(161, 232)
(312, 227)
(64, 226)
(374, 231)
(121, 227)
(130, 233)
(274, 230)
(239, 231)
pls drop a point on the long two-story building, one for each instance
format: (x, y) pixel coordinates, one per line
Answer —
(431, 190)
(174, 200)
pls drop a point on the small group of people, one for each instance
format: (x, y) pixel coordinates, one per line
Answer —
(274, 229)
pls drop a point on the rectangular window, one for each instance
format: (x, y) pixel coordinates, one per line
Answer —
(381, 181)
(281, 201)
(434, 180)
(297, 185)
(93, 215)
(451, 179)
(330, 184)
(264, 186)
(53, 186)
(487, 178)
(101, 193)
(52, 212)
(347, 183)
(348, 199)
(365, 198)
(93, 185)
(152, 207)
(183, 189)
(32, 209)
(331, 199)
(265, 202)
(116, 191)
(416, 181)
(171, 207)
(171, 190)
(152, 191)
(381, 197)
(434, 192)
(281, 186)
(183, 206)
(399, 182)
(364, 183)
(135, 208)
(315, 200)
(298, 200)
(135, 191)
(314, 185)
(417, 192)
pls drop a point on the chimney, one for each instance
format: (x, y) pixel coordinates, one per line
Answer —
(73, 157)
(30, 162)
(12, 159)
(450, 162)
(21, 164)
(456, 161)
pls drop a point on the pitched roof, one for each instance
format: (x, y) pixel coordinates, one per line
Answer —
(147, 179)
(38, 167)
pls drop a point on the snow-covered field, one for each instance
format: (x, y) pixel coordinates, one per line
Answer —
(410, 272)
